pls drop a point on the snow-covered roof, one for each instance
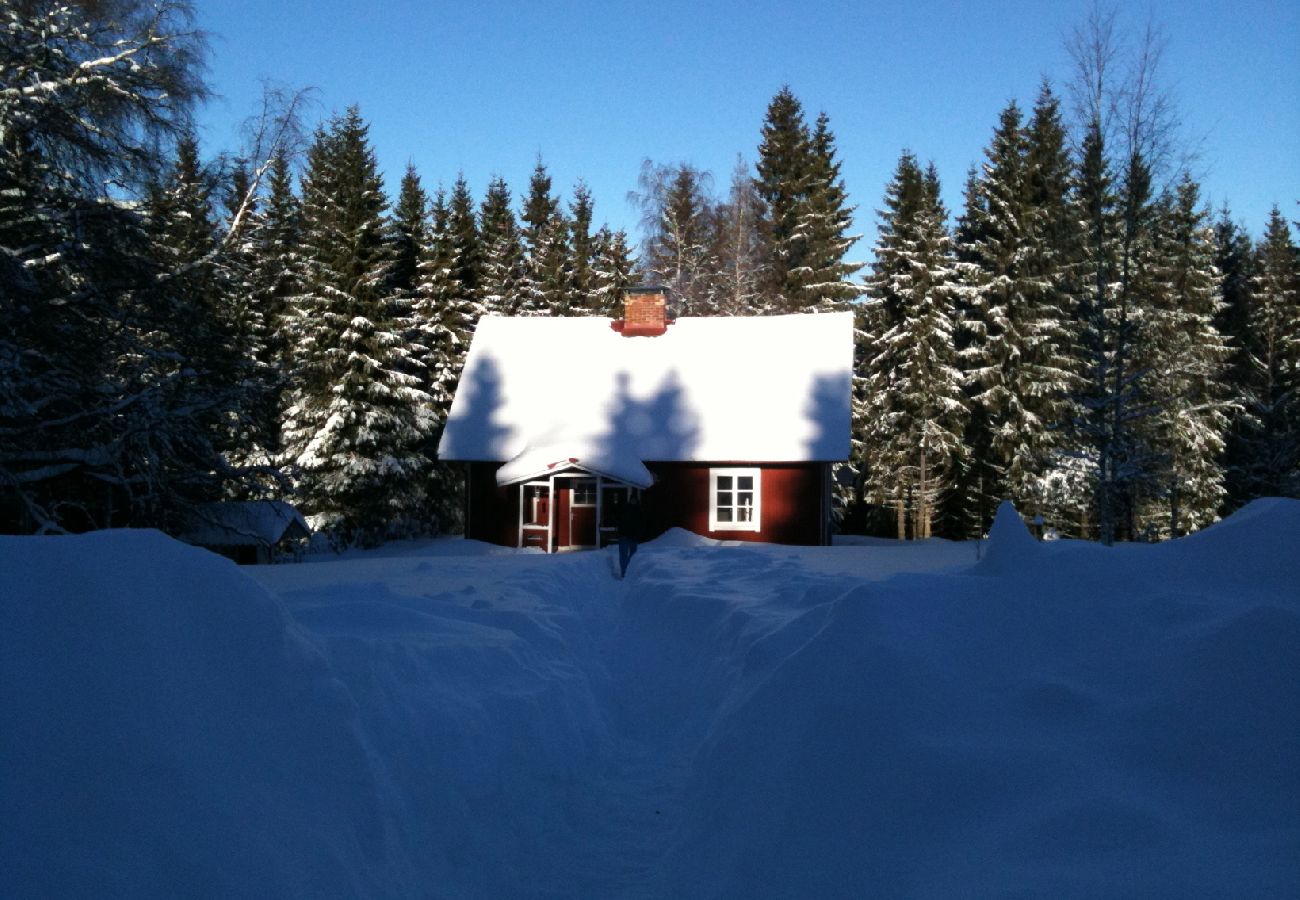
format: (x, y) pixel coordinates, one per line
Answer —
(738, 389)
(252, 523)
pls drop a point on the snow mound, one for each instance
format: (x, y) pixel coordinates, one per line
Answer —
(168, 732)
(681, 537)
(728, 721)
(1252, 540)
(1010, 545)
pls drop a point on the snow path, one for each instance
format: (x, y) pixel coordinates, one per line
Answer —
(445, 719)
(649, 663)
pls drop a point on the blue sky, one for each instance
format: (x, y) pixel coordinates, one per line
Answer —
(595, 87)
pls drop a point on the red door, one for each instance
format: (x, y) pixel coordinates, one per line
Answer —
(582, 512)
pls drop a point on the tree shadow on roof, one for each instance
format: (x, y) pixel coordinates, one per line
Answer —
(478, 401)
(829, 409)
(660, 427)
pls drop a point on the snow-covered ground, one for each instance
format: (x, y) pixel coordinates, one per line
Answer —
(447, 719)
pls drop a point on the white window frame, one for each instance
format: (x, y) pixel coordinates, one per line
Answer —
(755, 522)
(595, 491)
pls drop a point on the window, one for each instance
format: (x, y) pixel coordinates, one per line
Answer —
(584, 492)
(734, 499)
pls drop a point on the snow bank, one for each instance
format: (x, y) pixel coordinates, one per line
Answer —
(1060, 720)
(168, 732)
(1091, 724)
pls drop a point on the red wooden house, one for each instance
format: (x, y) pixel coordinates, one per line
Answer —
(728, 426)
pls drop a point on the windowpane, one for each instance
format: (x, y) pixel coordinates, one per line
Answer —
(584, 492)
(736, 498)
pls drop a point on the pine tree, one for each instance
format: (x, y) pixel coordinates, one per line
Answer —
(1234, 258)
(1273, 443)
(583, 247)
(912, 405)
(503, 252)
(467, 261)
(442, 320)
(613, 272)
(548, 265)
(783, 164)
(408, 232)
(1019, 361)
(94, 429)
(357, 417)
(1192, 409)
(540, 208)
(207, 328)
(551, 269)
(274, 241)
(825, 278)
(807, 214)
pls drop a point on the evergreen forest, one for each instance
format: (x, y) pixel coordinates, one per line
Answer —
(1084, 336)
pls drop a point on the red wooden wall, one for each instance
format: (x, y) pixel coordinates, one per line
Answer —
(794, 503)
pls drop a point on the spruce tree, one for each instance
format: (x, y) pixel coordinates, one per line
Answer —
(208, 328)
(1192, 408)
(783, 176)
(462, 223)
(548, 265)
(613, 272)
(503, 252)
(1234, 258)
(1019, 359)
(583, 247)
(442, 321)
(540, 208)
(826, 279)
(408, 232)
(274, 239)
(357, 418)
(551, 269)
(912, 403)
(807, 214)
(1272, 467)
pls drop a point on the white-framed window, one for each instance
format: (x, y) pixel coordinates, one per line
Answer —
(734, 499)
(584, 492)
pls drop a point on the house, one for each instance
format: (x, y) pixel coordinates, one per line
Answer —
(728, 426)
(252, 532)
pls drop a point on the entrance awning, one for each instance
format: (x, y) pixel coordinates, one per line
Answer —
(540, 462)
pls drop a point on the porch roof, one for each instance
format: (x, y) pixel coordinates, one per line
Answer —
(542, 462)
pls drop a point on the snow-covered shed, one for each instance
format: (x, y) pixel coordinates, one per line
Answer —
(249, 532)
(728, 426)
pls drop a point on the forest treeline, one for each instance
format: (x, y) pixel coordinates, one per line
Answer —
(1083, 337)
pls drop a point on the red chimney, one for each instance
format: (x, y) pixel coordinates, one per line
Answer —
(645, 312)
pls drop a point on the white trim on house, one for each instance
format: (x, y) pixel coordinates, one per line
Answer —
(735, 499)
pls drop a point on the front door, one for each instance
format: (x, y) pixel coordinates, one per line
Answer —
(582, 512)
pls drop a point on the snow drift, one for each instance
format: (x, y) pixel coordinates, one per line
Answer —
(731, 721)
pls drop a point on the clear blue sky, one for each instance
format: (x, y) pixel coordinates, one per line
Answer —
(594, 87)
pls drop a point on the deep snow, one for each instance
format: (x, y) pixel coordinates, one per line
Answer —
(449, 719)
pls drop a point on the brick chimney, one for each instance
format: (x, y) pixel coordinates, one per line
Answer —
(645, 312)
